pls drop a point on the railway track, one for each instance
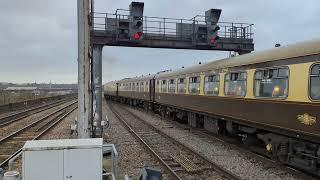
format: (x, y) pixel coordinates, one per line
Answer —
(256, 152)
(6, 119)
(180, 161)
(12, 143)
(234, 144)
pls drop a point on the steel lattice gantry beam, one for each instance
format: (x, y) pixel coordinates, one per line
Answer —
(132, 29)
(155, 41)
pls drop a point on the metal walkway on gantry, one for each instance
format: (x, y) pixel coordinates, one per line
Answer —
(171, 33)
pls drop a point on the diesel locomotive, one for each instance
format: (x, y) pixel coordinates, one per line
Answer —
(269, 99)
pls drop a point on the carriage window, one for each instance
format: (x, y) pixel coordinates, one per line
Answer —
(164, 86)
(194, 85)
(271, 83)
(211, 85)
(172, 86)
(181, 85)
(235, 84)
(315, 82)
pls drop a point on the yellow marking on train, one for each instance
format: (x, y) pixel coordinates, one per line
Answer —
(224, 70)
(269, 147)
(307, 119)
(298, 82)
(250, 84)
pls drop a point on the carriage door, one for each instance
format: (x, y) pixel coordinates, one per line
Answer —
(152, 89)
(117, 93)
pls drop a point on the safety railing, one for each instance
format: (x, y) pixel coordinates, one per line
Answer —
(230, 29)
(110, 148)
(169, 27)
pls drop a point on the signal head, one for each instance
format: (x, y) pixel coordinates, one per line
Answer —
(138, 24)
(217, 28)
(213, 40)
(137, 35)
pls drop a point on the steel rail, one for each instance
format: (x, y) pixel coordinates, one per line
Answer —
(238, 146)
(18, 106)
(10, 114)
(248, 150)
(216, 167)
(4, 121)
(2, 164)
(34, 123)
(171, 171)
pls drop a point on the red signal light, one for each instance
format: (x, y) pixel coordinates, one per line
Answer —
(137, 35)
(212, 40)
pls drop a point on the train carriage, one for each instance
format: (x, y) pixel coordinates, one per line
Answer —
(135, 91)
(110, 89)
(270, 98)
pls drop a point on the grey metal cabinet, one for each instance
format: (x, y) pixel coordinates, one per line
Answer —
(69, 159)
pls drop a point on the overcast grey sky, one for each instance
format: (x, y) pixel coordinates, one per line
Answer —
(38, 38)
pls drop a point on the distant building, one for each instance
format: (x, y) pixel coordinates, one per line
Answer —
(21, 89)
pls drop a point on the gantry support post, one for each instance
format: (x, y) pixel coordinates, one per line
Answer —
(97, 88)
(84, 77)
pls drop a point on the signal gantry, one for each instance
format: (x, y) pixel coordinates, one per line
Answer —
(132, 29)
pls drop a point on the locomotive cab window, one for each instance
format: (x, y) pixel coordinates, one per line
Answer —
(172, 86)
(181, 85)
(194, 85)
(315, 82)
(211, 85)
(235, 84)
(164, 86)
(271, 83)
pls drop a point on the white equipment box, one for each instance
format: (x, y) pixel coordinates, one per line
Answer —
(66, 159)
